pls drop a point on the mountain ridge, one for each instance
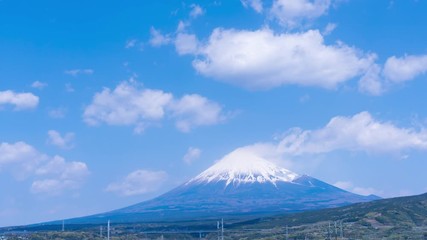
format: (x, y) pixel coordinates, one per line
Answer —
(235, 187)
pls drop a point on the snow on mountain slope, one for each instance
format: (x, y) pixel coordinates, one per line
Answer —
(242, 166)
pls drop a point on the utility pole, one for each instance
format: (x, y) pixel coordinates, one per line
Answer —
(336, 231)
(108, 230)
(217, 227)
(100, 231)
(287, 233)
(222, 228)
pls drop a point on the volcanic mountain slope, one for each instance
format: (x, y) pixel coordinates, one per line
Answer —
(238, 186)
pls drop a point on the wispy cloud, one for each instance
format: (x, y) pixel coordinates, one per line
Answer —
(157, 39)
(196, 11)
(292, 13)
(191, 155)
(131, 43)
(69, 88)
(77, 72)
(365, 191)
(57, 113)
(138, 182)
(64, 142)
(186, 44)
(134, 43)
(254, 4)
(330, 27)
(39, 85)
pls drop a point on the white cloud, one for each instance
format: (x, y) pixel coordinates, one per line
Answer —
(194, 110)
(378, 79)
(61, 175)
(68, 176)
(50, 186)
(365, 191)
(196, 11)
(131, 104)
(158, 39)
(262, 59)
(360, 132)
(254, 4)
(138, 182)
(49, 175)
(18, 152)
(405, 68)
(21, 101)
(39, 85)
(58, 166)
(127, 104)
(292, 13)
(64, 142)
(186, 43)
(192, 155)
(77, 72)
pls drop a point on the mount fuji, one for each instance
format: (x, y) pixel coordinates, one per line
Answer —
(236, 187)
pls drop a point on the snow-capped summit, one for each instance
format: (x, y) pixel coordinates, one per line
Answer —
(242, 166)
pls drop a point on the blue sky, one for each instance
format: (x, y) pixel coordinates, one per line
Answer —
(106, 104)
